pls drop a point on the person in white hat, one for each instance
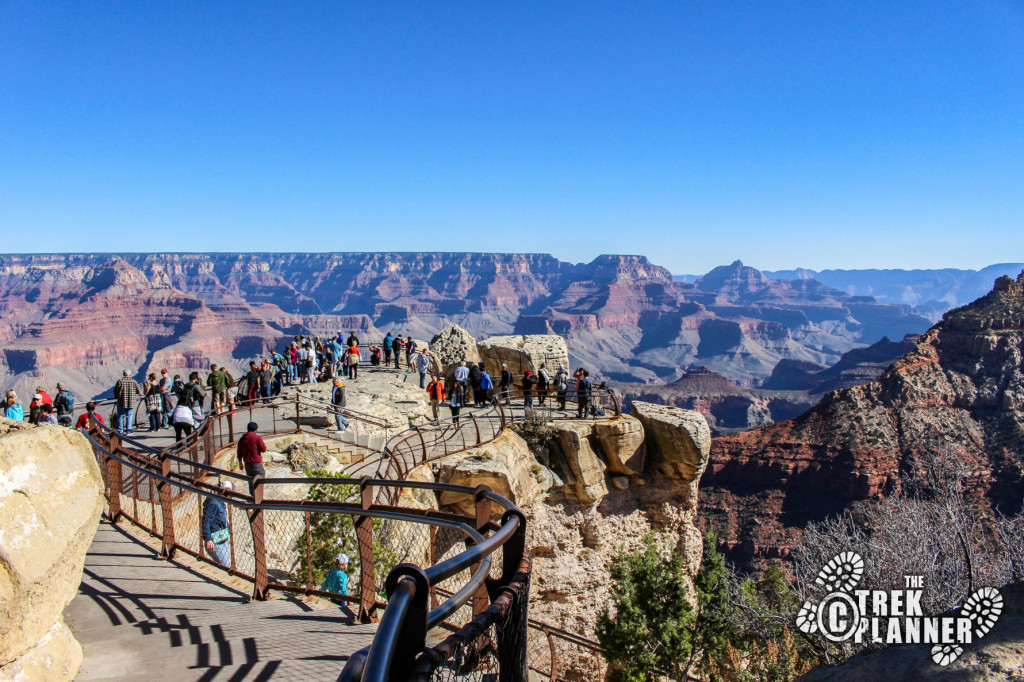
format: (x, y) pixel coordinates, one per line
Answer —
(215, 527)
(337, 578)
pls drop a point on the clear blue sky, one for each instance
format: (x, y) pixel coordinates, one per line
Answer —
(814, 134)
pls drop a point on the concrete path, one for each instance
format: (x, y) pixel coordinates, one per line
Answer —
(138, 616)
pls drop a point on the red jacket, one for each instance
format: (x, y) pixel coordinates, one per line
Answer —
(83, 420)
(251, 448)
(435, 389)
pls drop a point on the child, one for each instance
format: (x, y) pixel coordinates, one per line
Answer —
(337, 578)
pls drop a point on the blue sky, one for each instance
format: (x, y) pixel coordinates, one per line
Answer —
(813, 134)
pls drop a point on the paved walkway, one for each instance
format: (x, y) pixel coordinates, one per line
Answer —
(138, 616)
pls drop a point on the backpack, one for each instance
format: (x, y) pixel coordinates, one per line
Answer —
(561, 382)
(64, 403)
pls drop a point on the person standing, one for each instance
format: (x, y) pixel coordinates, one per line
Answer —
(218, 385)
(388, 342)
(435, 391)
(12, 408)
(64, 404)
(252, 383)
(45, 398)
(505, 385)
(127, 392)
(250, 451)
(352, 358)
(456, 403)
(561, 384)
(543, 383)
(584, 389)
(396, 350)
(215, 527)
(310, 363)
(266, 381)
(422, 366)
(338, 403)
(486, 384)
(154, 403)
(194, 395)
(410, 348)
(529, 381)
(474, 383)
(165, 395)
(352, 339)
(462, 373)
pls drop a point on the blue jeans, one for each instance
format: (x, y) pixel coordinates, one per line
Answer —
(339, 419)
(529, 402)
(423, 378)
(125, 416)
(222, 553)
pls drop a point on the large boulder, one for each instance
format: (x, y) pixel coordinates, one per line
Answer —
(678, 441)
(521, 353)
(453, 345)
(51, 497)
(505, 465)
(585, 475)
(622, 443)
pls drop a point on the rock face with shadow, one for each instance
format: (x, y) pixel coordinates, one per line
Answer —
(51, 497)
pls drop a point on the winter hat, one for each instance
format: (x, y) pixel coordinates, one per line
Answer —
(343, 558)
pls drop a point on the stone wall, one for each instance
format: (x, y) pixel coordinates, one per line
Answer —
(521, 353)
(51, 497)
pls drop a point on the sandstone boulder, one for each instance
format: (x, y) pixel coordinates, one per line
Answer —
(51, 497)
(678, 441)
(505, 464)
(622, 443)
(585, 469)
(453, 345)
(521, 353)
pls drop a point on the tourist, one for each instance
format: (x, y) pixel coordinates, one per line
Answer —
(165, 394)
(90, 412)
(375, 356)
(46, 399)
(352, 340)
(474, 382)
(292, 355)
(310, 363)
(35, 409)
(182, 420)
(435, 391)
(543, 383)
(462, 373)
(126, 392)
(250, 451)
(218, 384)
(352, 358)
(561, 384)
(410, 348)
(456, 403)
(46, 415)
(154, 402)
(215, 527)
(396, 350)
(177, 389)
(335, 351)
(280, 371)
(505, 385)
(529, 381)
(584, 389)
(337, 578)
(485, 385)
(12, 408)
(194, 395)
(266, 381)
(338, 403)
(422, 366)
(252, 383)
(64, 404)
(388, 341)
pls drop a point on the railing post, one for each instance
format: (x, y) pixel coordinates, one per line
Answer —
(114, 480)
(477, 425)
(259, 549)
(481, 599)
(364, 538)
(298, 416)
(164, 491)
(231, 427)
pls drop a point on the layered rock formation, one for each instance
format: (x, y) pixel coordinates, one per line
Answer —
(959, 392)
(855, 367)
(523, 353)
(624, 317)
(51, 496)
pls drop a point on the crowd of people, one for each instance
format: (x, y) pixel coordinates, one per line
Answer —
(173, 402)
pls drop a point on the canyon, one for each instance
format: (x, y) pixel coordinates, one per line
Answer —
(81, 318)
(959, 392)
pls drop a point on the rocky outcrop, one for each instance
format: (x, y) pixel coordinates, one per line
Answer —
(505, 465)
(584, 470)
(678, 441)
(621, 440)
(523, 353)
(959, 392)
(51, 496)
(453, 345)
